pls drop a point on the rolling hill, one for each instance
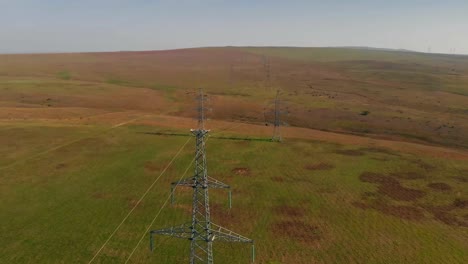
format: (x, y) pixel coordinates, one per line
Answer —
(373, 168)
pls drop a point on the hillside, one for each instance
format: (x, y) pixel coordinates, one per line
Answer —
(373, 167)
(412, 96)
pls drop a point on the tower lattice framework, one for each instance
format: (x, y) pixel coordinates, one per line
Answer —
(201, 232)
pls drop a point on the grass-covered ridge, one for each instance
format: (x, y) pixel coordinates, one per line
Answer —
(412, 96)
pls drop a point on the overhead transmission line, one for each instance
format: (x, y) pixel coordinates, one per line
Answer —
(170, 196)
(108, 129)
(139, 201)
(144, 195)
(200, 231)
(159, 212)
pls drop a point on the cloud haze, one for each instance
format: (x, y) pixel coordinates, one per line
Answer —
(105, 25)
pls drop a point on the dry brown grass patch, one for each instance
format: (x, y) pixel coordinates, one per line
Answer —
(439, 186)
(400, 193)
(373, 177)
(60, 166)
(408, 175)
(350, 152)
(361, 205)
(380, 159)
(461, 178)
(400, 211)
(298, 231)
(151, 167)
(131, 202)
(378, 150)
(101, 195)
(222, 215)
(155, 167)
(277, 179)
(391, 187)
(444, 216)
(459, 203)
(289, 211)
(424, 165)
(319, 166)
(241, 171)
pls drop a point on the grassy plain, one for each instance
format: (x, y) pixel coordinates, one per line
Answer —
(312, 207)
(78, 148)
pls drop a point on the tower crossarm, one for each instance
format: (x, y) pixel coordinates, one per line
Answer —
(189, 182)
(182, 231)
(214, 183)
(224, 234)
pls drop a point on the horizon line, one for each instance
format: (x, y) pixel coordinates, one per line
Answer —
(369, 48)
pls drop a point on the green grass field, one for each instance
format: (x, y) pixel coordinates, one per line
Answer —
(82, 139)
(302, 201)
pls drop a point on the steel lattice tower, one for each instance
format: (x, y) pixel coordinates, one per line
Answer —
(277, 122)
(266, 65)
(276, 113)
(189, 182)
(201, 231)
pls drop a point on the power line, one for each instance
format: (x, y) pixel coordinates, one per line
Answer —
(170, 196)
(159, 212)
(160, 209)
(118, 227)
(141, 198)
(69, 143)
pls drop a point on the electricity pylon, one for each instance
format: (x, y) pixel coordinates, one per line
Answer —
(189, 182)
(277, 123)
(201, 231)
(277, 112)
(266, 66)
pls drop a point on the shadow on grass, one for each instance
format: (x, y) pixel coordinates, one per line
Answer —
(214, 137)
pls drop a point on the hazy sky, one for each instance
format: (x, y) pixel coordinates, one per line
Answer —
(112, 25)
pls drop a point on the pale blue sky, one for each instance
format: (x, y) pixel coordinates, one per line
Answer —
(112, 25)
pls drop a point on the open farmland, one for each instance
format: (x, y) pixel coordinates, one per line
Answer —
(81, 142)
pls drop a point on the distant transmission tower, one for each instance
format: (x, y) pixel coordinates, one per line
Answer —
(231, 75)
(277, 113)
(266, 66)
(201, 232)
(276, 129)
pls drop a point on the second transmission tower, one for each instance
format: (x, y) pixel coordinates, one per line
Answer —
(277, 121)
(266, 66)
